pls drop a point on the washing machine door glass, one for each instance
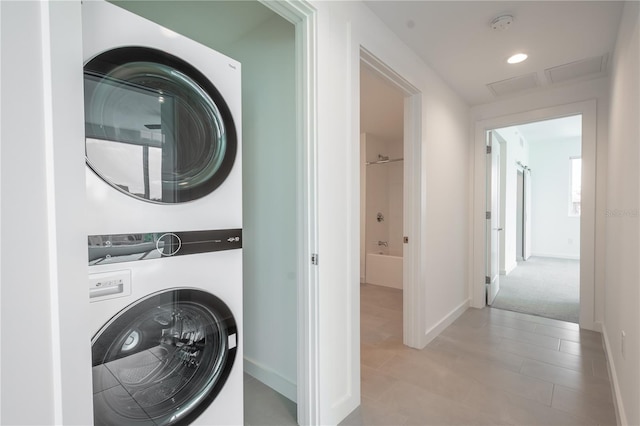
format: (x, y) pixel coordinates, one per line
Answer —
(156, 128)
(163, 359)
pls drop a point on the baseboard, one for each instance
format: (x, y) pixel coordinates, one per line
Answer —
(445, 322)
(556, 256)
(597, 326)
(271, 378)
(592, 326)
(621, 418)
(509, 268)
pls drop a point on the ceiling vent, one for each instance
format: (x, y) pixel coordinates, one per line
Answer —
(585, 68)
(514, 85)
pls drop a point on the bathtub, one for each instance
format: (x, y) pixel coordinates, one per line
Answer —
(383, 269)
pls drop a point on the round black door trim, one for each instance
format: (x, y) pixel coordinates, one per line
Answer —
(192, 126)
(163, 359)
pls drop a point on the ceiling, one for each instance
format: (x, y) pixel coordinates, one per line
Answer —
(381, 107)
(557, 128)
(465, 51)
(382, 115)
(455, 38)
(547, 130)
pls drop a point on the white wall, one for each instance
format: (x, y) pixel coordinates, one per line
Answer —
(46, 356)
(269, 204)
(553, 232)
(269, 156)
(18, 138)
(62, 396)
(622, 216)
(376, 189)
(383, 188)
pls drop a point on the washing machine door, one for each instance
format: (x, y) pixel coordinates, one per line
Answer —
(156, 128)
(163, 359)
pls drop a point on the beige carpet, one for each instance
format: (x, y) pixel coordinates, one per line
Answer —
(547, 287)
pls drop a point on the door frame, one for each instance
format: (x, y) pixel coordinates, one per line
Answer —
(303, 16)
(413, 294)
(588, 215)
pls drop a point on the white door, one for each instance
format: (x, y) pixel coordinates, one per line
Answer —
(493, 218)
(527, 215)
(519, 215)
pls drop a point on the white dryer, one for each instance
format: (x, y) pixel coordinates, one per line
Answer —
(164, 199)
(162, 119)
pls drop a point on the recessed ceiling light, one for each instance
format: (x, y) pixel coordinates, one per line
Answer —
(517, 58)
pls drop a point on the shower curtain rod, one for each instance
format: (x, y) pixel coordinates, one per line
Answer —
(393, 160)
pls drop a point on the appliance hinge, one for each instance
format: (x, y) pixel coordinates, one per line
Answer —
(487, 280)
(488, 215)
(314, 259)
(488, 149)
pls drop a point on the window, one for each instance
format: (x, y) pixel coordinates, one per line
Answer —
(576, 186)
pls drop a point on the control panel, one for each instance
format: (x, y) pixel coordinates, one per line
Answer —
(117, 248)
(109, 285)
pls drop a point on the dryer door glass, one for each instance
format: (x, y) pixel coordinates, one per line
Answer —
(163, 359)
(156, 128)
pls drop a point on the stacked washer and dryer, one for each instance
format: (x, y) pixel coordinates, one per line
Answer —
(164, 199)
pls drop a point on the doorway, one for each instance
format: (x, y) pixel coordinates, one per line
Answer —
(274, 43)
(589, 226)
(381, 216)
(390, 116)
(539, 218)
(381, 183)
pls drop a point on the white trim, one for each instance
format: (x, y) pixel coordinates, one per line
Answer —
(556, 256)
(54, 289)
(621, 417)
(62, 104)
(445, 322)
(271, 378)
(509, 268)
(597, 326)
(587, 223)
(1, 215)
(303, 16)
(413, 294)
(413, 302)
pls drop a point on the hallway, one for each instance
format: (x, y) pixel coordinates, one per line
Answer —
(489, 367)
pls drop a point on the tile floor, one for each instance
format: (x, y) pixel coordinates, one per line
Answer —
(265, 407)
(490, 367)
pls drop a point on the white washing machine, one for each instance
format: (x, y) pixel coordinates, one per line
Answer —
(164, 199)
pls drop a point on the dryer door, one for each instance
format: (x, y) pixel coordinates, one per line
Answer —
(156, 128)
(163, 359)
